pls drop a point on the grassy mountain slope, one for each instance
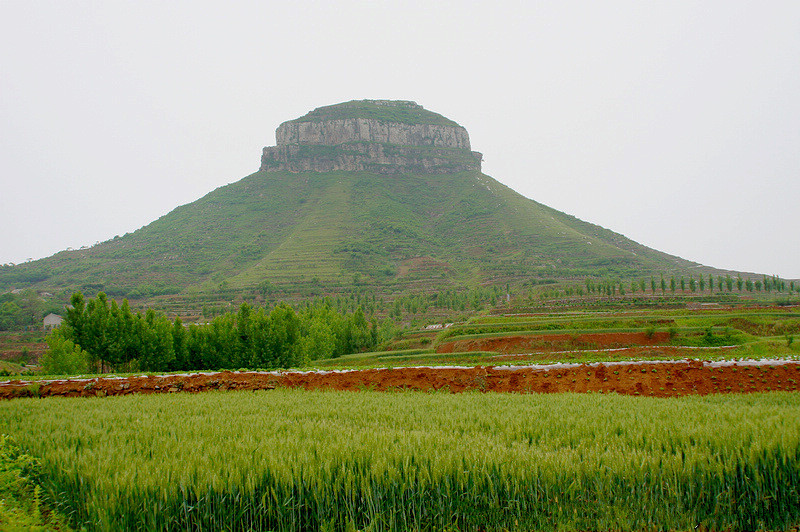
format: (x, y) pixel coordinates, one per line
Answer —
(341, 228)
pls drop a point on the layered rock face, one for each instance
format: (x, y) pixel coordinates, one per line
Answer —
(341, 131)
(371, 135)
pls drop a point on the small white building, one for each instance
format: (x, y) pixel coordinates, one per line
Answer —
(51, 321)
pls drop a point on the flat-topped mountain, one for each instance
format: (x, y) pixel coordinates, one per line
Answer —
(373, 193)
(381, 136)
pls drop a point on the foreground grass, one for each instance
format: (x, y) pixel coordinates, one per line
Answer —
(21, 508)
(292, 460)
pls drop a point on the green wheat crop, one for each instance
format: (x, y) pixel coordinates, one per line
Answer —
(299, 460)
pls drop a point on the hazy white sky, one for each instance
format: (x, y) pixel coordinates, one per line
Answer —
(674, 123)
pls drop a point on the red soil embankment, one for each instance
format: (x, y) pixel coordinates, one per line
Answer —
(658, 379)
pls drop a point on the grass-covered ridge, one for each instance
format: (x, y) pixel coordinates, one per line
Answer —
(389, 111)
(337, 229)
(291, 460)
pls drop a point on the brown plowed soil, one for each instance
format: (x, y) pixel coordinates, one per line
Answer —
(540, 342)
(20, 348)
(657, 379)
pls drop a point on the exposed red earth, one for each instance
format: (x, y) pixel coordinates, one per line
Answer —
(539, 342)
(652, 379)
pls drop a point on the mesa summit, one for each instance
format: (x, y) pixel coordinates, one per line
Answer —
(381, 136)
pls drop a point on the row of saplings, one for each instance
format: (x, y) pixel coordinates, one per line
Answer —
(100, 335)
(611, 287)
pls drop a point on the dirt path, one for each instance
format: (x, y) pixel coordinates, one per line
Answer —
(656, 379)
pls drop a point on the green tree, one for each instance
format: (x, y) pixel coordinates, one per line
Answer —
(10, 315)
(244, 351)
(74, 321)
(95, 338)
(132, 347)
(361, 335)
(63, 356)
(115, 336)
(157, 352)
(318, 343)
(180, 345)
(778, 283)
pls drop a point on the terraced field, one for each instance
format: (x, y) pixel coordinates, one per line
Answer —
(626, 420)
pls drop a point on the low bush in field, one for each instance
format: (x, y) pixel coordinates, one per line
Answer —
(20, 496)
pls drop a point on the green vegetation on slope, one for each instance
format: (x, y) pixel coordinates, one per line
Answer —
(340, 229)
(374, 110)
(26, 309)
(297, 460)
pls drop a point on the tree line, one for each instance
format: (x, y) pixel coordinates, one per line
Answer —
(719, 283)
(100, 334)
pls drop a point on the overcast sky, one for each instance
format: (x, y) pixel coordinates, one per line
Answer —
(674, 123)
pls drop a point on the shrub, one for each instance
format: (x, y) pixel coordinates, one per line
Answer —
(63, 357)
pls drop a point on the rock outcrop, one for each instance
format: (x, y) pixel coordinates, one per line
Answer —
(371, 135)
